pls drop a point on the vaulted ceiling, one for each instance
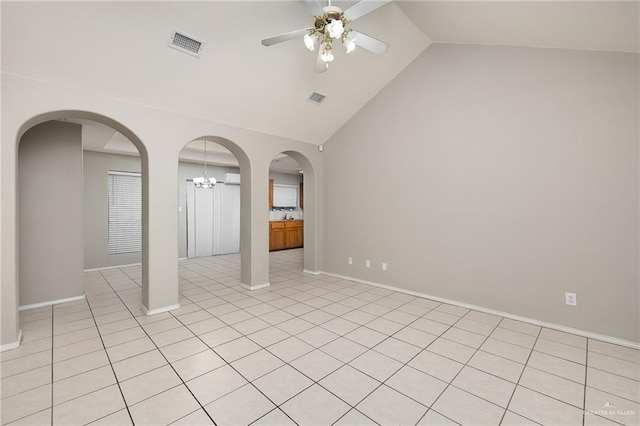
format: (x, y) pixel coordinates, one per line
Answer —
(119, 49)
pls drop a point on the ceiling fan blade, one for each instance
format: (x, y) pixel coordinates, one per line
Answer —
(371, 44)
(362, 8)
(321, 66)
(314, 7)
(286, 36)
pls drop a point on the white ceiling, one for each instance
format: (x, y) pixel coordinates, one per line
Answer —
(119, 49)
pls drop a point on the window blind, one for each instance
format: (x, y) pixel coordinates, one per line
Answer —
(125, 212)
(285, 196)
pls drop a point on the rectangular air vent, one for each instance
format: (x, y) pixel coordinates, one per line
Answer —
(185, 43)
(316, 98)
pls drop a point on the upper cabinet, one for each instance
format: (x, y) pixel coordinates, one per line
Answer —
(301, 196)
(270, 193)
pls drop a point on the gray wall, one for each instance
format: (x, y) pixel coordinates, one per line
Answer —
(500, 177)
(96, 166)
(50, 213)
(96, 208)
(285, 178)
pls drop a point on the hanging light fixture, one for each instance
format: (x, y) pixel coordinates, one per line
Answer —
(204, 182)
(328, 28)
(331, 27)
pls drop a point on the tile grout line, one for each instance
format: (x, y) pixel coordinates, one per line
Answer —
(383, 382)
(465, 364)
(384, 314)
(586, 373)
(52, 349)
(285, 290)
(108, 357)
(314, 348)
(364, 325)
(168, 363)
(249, 382)
(520, 377)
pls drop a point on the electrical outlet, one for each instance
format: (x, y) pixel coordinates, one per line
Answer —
(367, 263)
(350, 260)
(384, 266)
(571, 299)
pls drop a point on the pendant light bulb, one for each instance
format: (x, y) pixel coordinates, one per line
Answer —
(326, 55)
(335, 28)
(310, 42)
(350, 42)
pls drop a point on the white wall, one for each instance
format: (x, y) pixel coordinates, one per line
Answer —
(500, 177)
(50, 213)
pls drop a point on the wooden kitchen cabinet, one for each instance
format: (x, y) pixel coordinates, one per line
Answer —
(270, 193)
(301, 195)
(286, 234)
(276, 236)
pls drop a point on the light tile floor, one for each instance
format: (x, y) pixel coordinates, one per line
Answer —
(309, 350)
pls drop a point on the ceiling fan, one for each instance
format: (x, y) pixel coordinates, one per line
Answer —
(330, 24)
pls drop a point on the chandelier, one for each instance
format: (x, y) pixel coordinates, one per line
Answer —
(204, 182)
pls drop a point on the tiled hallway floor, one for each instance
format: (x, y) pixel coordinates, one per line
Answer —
(309, 350)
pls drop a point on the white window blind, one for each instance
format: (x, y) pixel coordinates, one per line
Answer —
(125, 212)
(285, 196)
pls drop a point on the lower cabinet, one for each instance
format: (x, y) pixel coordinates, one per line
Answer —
(286, 234)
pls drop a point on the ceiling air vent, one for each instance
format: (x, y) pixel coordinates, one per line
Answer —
(185, 43)
(316, 98)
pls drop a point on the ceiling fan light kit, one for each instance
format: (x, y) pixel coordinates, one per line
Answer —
(330, 24)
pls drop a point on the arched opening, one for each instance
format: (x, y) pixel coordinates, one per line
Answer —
(75, 235)
(213, 201)
(292, 218)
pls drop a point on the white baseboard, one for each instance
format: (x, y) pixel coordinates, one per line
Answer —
(590, 335)
(255, 287)
(150, 312)
(51, 302)
(104, 268)
(12, 345)
(306, 271)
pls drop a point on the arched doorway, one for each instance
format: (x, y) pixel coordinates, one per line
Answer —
(59, 219)
(292, 214)
(209, 201)
(211, 219)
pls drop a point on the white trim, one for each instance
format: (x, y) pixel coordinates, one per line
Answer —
(51, 302)
(183, 258)
(104, 268)
(255, 287)
(306, 271)
(591, 335)
(12, 345)
(148, 312)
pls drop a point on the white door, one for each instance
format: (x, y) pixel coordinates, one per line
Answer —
(229, 219)
(213, 220)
